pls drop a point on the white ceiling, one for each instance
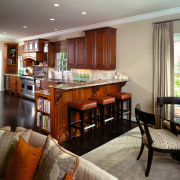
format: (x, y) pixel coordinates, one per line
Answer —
(36, 13)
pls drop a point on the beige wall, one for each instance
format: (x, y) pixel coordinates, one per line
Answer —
(134, 58)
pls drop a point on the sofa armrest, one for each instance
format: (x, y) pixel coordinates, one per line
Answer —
(89, 171)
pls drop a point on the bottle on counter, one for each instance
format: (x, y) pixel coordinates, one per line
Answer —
(80, 78)
(87, 77)
(84, 78)
(77, 77)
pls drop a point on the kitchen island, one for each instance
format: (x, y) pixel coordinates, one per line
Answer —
(51, 105)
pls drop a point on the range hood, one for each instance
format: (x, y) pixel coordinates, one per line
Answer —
(36, 56)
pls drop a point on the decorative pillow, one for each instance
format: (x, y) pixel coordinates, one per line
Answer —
(55, 162)
(24, 161)
(8, 142)
(68, 176)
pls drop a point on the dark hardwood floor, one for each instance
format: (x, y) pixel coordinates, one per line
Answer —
(17, 111)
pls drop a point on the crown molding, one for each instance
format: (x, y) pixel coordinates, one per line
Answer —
(140, 17)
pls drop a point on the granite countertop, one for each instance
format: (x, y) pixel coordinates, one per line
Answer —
(67, 85)
(75, 85)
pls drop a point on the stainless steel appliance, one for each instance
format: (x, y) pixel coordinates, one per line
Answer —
(28, 86)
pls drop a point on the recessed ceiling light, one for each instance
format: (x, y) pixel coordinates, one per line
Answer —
(55, 29)
(4, 32)
(83, 12)
(25, 27)
(52, 19)
(56, 5)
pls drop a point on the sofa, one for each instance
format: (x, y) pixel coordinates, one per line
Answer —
(85, 169)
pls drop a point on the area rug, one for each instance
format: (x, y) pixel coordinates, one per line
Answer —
(118, 157)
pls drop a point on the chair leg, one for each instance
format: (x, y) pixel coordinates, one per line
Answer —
(130, 109)
(141, 151)
(150, 157)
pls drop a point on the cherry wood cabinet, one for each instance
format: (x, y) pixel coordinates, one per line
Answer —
(51, 54)
(14, 85)
(76, 52)
(10, 58)
(101, 48)
(35, 45)
(97, 50)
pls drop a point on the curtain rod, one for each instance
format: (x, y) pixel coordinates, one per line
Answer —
(166, 21)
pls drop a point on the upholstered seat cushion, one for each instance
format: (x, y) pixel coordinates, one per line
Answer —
(163, 139)
(167, 124)
(103, 99)
(81, 104)
(120, 95)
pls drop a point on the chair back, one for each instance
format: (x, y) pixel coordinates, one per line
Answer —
(147, 119)
(167, 100)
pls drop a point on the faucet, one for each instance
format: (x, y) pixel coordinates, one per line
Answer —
(62, 74)
(45, 72)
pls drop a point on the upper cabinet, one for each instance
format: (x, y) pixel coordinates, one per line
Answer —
(97, 50)
(49, 54)
(101, 48)
(76, 50)
(10, 58)
(36, 45)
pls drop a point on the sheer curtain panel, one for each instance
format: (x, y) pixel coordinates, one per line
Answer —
(163, 61)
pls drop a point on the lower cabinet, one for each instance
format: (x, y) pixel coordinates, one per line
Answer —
(14, 85)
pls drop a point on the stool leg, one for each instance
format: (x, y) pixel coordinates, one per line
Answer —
(102, 118)
(82, 126)
(122, 109)
(113, 113)
(95, 122)
(69, 123)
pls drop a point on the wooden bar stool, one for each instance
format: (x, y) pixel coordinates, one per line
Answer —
(82, 107)
(106, 105)
(122, 97)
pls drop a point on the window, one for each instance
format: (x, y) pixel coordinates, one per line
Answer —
(61, 61)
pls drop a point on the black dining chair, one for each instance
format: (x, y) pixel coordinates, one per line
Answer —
(162, 101)
(160, 140)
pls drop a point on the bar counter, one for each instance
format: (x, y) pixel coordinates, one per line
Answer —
(59, 96)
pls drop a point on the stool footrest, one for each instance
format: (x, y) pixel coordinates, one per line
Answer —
(109, 119)
(90, 126)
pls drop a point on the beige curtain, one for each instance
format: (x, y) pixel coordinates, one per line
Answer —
(163, 59)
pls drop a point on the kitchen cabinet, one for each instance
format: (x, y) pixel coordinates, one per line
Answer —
(49, 54)
(14, 85)
(76, 52)
(101, 48)
(36, 45)
(10, 58)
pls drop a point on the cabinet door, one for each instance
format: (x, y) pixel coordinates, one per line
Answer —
(26, 46)
(90, 49)
(111, 53)
(51, 54)
(72, 53)
(36, 45)
(18, 85)
(100, 48)
(12, 85)
(31, 46)
(80, 48)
